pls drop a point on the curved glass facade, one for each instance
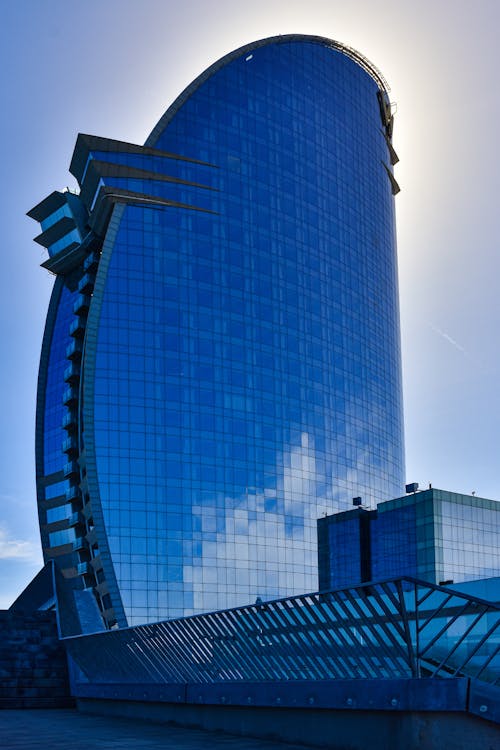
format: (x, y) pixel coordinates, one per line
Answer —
(241, 367)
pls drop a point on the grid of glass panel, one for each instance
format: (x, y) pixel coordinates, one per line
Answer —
(247, 372)
(437, 536)
(394, 543)
(344, 546)
(468, 539)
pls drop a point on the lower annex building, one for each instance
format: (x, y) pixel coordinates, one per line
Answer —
(435, 535)
(221, 358)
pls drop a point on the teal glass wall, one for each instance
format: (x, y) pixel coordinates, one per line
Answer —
(467, 537)
(247, 372)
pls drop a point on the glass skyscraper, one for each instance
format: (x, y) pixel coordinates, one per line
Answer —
(221, 359)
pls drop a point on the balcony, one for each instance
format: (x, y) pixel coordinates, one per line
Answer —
(86, 283)
(84, 568)
(73, 494)
(79, 544)
(77, 328)
(72, 373)
(71, 469)
(74, 350)
(76, 519)
(70, 421)
(70, 396)
(91, 262)
(82, 304)
(70, 445)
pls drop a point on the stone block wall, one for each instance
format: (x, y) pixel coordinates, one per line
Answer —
(33, 665)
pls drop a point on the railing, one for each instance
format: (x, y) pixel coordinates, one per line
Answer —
(391, 629)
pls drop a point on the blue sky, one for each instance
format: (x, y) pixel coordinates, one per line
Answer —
(112, 68)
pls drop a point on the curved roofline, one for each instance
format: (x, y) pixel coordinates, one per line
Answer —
(350, 52)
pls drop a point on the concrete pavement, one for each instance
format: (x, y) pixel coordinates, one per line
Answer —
(67, 729)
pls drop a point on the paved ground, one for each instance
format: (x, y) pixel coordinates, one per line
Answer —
(55, 729)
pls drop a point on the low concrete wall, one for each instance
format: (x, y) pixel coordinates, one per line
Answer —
(335, 729)
(33, 663)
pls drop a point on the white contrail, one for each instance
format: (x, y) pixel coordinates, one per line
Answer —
(448, 338)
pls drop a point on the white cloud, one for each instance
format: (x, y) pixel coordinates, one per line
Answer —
(19, 549)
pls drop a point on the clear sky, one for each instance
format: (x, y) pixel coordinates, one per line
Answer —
(111, 69)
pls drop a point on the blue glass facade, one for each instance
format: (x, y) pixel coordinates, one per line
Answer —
(342, 549)
(394, 542)
(237, 313)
